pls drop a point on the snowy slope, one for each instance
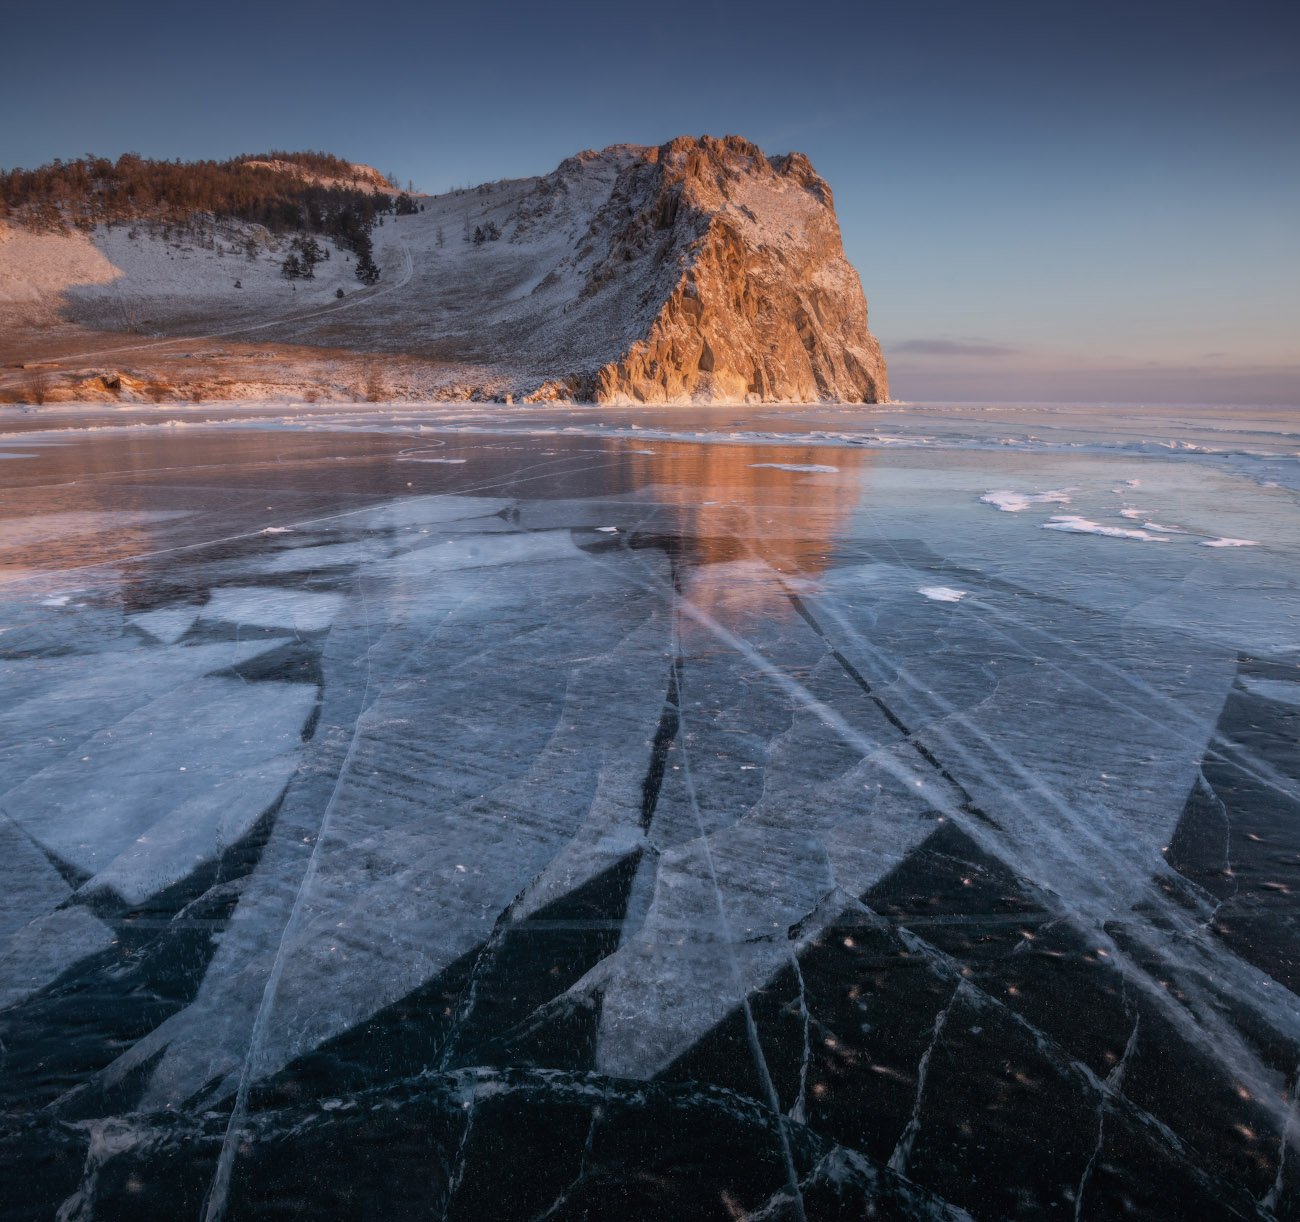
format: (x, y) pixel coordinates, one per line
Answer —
(698, 270)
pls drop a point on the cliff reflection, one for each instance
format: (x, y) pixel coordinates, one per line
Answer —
(745, 514)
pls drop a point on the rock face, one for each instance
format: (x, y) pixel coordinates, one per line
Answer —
(701, 270)
(739, 257)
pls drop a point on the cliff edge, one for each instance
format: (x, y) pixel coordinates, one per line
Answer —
(729, 271)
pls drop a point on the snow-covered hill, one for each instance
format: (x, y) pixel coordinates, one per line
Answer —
(697, 270)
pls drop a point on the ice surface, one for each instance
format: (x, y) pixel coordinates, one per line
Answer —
(182, 759)
(1282, 690)
(168, 624)
(835, 831)
(41, 951)
(268, 607)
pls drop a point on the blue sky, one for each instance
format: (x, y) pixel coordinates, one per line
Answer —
(1045, 200)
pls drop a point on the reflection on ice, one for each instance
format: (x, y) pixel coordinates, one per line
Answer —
(885, 849)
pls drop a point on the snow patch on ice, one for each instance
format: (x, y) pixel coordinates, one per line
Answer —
(1140, 515)
(942, 594)
(1072, 524)
(1014, 502)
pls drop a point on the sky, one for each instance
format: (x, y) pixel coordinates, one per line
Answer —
(1046, 201)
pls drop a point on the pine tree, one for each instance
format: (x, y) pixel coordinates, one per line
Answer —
(367, 271)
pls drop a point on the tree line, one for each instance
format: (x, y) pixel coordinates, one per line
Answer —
(94, 190)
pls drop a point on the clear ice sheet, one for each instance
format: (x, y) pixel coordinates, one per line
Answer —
(574, 828)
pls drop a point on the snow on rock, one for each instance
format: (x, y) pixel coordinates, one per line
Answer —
(699, 270)
(727, 271)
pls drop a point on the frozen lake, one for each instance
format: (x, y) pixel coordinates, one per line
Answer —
(488, 813)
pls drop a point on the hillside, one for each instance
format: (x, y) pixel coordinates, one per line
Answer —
(699, 270)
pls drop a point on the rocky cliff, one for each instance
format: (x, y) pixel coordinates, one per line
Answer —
(734, 266)
(701, 270)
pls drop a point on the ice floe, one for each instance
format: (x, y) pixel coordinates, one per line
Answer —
(273, 607)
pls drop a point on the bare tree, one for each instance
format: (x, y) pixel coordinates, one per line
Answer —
(36, 386)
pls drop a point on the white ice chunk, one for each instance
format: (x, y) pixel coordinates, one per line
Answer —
(942, 594)
(1015, 502)
(1072, 524)
(272, 607)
